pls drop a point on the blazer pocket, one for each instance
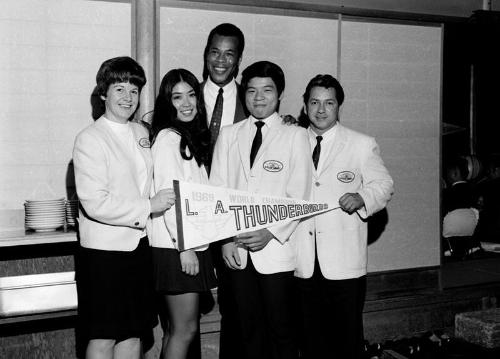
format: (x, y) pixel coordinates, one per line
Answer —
(346, 179)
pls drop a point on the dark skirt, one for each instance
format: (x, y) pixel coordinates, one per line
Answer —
(169, 278)
(115, 293)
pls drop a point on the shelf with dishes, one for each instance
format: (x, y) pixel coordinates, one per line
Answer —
(22, 237)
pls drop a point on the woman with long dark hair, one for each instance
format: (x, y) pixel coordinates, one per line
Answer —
(180, 152)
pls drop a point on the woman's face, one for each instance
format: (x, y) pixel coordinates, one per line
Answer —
(185, 101)
(121, 101)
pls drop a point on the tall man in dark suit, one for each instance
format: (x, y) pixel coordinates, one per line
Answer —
(224, 106)
(222, 95)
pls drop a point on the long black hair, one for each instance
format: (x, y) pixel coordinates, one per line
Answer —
(194, 134)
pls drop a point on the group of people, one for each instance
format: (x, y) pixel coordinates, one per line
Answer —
(471, 211)
(293, 290)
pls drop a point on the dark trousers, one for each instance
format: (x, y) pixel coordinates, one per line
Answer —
(230, 337)
(265, 309)
(332, 316)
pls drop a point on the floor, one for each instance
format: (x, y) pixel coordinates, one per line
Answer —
(480, 268)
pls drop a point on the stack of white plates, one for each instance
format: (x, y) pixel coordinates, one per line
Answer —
(44, 215)
(71, 212)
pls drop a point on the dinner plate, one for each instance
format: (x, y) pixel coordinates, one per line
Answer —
(45, 200)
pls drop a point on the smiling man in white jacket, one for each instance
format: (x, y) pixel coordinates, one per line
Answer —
(262, 262)
(331, 248)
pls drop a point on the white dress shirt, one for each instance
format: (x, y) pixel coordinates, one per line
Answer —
(210, 92)
(326, 143)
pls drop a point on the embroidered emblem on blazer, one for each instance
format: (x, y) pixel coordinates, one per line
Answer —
(345, 176)
(272, 166)
(144, 142)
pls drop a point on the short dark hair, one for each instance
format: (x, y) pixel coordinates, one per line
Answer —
(264, 69)
(326, 81)
(228, 30)
(119, 69)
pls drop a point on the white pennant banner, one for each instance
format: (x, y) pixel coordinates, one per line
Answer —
(207, 214)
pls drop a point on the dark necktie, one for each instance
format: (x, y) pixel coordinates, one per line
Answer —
(216, 118)
(317, 151)
(257, 141)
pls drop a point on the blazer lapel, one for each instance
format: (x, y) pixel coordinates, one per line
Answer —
(144, 145)
(339, 143)
(240, 114)
(243, 136)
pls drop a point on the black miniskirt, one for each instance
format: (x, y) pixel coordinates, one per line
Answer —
(116, 293)
(169, 278)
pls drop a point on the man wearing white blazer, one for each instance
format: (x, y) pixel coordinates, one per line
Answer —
(265, 156)
(331, 248)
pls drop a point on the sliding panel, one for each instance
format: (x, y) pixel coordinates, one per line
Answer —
(392, 77)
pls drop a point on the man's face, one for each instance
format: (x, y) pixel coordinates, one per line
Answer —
(222, 59)
(261, 97)
(322, 109)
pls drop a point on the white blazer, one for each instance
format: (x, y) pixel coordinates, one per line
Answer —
(115, 211)
(353, 165)
(168, 166)
(282, 145)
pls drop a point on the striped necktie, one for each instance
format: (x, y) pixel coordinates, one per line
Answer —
(216, 119)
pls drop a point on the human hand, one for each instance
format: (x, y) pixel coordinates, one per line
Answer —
(231, 256)
(189, 262)
(289, 120)
(163, 200)
(351, 202)
(254, 241)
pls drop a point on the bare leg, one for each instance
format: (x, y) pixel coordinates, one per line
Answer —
(100, 349)
(128, 349)
(183, 324)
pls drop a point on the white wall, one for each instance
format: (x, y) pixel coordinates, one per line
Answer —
(302, 47)
(51, 51)
(392, 78)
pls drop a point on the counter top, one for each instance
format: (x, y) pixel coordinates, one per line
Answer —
(22, 237)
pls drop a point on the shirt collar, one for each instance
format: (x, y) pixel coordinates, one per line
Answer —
(327, 136)
(213, 88)
(273, 119)
(118, 127)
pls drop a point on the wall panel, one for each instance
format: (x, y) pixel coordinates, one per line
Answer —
(51, 51)
(392, 77)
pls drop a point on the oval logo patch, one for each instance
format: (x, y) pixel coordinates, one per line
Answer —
(144, 142)
(272, 166)
(345, 176)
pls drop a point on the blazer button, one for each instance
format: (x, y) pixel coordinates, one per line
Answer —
(317, 184)
(173, 240)
(310, 233)
(136, 223)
